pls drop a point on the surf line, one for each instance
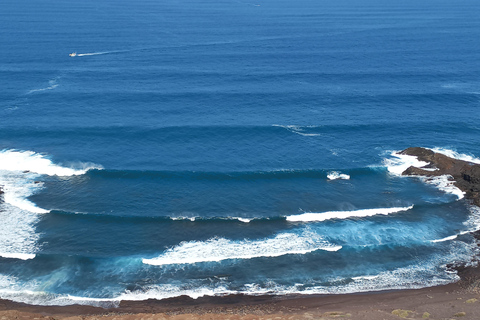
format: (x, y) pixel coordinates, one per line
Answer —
(219, 249)
(313, 216)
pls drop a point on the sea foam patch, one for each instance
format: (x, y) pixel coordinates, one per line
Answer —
(335, 175)
(218, 249)
(18, 217)
(425, 272)
(12, 160)
(456, 155)
(20, 256)
(166, 291)
(449, 238)
(19, 174)
(398, 163)
(19, 171)
(311, 216)
(444, 183)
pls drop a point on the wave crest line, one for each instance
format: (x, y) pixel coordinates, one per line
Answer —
(311, 216)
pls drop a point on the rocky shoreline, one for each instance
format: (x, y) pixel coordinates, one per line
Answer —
(464, 175)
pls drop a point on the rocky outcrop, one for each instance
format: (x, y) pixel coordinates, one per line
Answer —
(466, 175)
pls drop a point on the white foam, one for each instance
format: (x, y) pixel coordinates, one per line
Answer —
(94, 53)
(401, 162)
(32, 292)
(423, 273)
(411, 277)
(18, 171)
(361, 278)
(444, 183)
(193, 219)
(20, 256)
(19, 174)
(334, 175)
(445, 239)
(298, 130)
(184, 218)
(456, 155)
(17, 187)
(158, 292)
(47, 299)
(12, 160)
(473, 221)
(17, 228)
(310, 216)
(218, 249)
(169, 291)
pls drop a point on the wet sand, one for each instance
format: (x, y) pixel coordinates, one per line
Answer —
(459, 300)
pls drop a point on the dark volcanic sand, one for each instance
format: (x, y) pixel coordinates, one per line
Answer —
(454, 301)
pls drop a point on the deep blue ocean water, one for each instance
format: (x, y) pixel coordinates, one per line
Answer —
(216, 147)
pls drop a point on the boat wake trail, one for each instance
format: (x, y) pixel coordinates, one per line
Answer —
(92, 54)
(52, 84)
(74, 54)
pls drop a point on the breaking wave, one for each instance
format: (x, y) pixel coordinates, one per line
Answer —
(398, 163)
(218, 249)
(335, 175)
(445, 239)
(20, 256)
(307, 217)
(431, 272)
(29, 161)
(456, 155)
(20, 172)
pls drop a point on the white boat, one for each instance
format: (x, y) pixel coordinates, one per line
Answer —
(73, 54)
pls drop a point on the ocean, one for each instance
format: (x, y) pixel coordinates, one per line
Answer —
(220, 147)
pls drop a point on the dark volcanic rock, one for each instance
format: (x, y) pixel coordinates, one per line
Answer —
(465, 174)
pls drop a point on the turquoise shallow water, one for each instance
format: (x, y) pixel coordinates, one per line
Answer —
(180, 149)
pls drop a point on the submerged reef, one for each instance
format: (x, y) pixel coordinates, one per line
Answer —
(465, 175)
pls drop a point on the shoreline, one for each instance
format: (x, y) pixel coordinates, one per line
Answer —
(451, 301)
(459, 300)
